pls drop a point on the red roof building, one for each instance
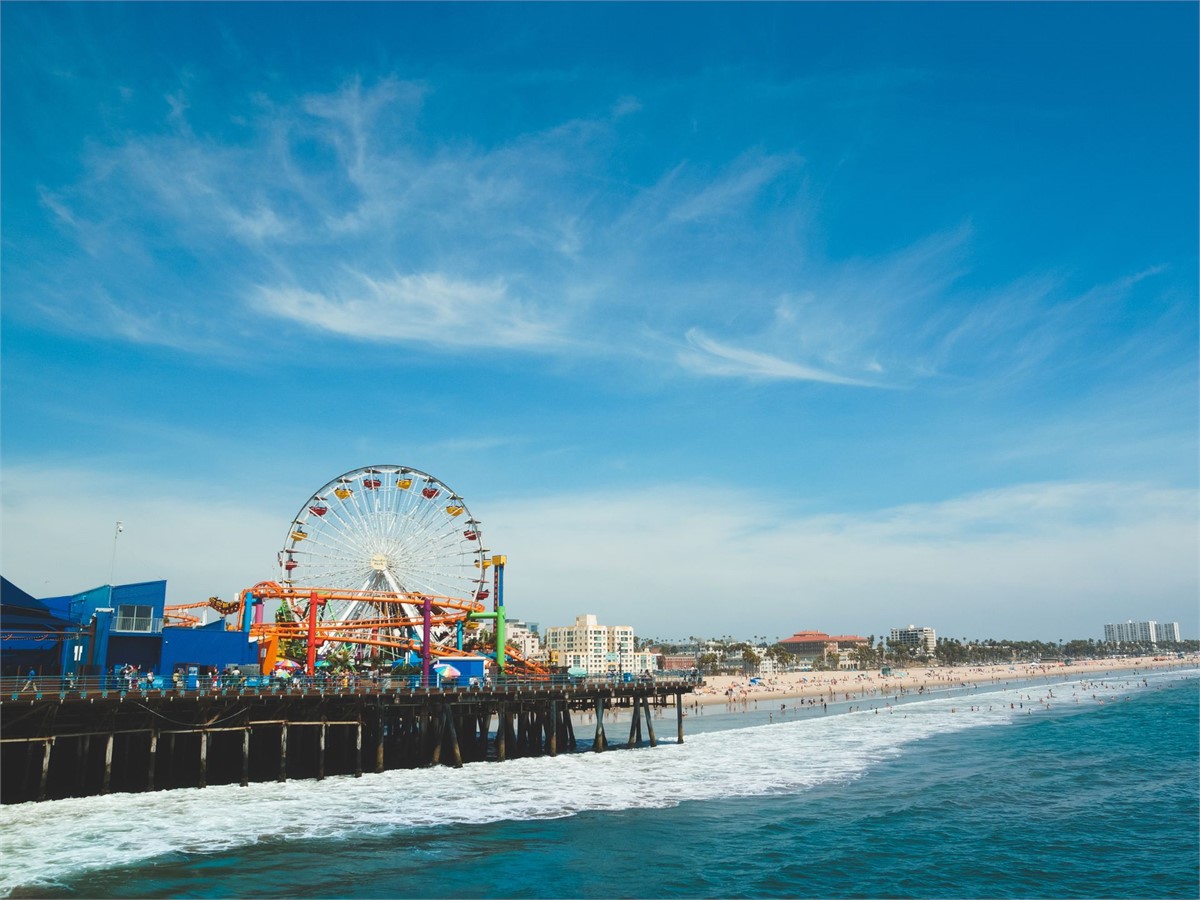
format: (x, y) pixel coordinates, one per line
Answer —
(818, 643)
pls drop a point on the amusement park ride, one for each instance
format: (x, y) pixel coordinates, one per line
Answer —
(384, 557)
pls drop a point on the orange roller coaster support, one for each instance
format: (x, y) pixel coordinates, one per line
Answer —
(388, 612)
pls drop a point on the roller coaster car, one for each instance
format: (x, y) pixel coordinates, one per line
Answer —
(225, 608)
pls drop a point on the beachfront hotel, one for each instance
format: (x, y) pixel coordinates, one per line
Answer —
(912, 636)
(1151, 632)
(809, 646)
(597, 649)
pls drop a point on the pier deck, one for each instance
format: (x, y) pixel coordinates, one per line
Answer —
(59, 741)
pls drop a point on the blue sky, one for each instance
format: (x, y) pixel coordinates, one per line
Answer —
(724, 319)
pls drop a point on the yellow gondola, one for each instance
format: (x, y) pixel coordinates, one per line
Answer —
(299, 535)
(404, 483)
(342, 493)
(455, 510)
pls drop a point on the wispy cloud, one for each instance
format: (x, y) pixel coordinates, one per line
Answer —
(429, 308)
(855, 322)
(336, 211)
(709, 357)
(733, 189)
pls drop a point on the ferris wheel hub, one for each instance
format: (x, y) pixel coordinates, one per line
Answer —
(379, 562)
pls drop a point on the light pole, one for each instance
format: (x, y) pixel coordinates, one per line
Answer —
(113, 567)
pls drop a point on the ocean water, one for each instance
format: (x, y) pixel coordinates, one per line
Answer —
(1058, 789)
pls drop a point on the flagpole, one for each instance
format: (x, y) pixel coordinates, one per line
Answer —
(113, 568)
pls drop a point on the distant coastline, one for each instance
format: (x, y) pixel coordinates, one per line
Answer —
(835, 686)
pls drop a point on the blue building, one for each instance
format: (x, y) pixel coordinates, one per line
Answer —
(108, 627)
(31, 633)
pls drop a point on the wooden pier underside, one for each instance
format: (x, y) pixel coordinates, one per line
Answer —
(70, 744)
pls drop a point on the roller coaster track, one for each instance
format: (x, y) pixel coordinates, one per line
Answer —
(393, 613)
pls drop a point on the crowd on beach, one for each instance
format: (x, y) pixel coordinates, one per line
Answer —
(847, 685)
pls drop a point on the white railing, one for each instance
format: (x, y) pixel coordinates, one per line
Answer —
(137, 624)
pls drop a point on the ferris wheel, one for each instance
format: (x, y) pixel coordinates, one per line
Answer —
(384, 529)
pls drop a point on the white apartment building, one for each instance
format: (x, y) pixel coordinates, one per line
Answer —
(766, 665)
(1131, 632)
(912, 636)
(524, 636)
(597, 649)
(1168, 632)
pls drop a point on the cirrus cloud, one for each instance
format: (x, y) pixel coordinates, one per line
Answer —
(430, 308)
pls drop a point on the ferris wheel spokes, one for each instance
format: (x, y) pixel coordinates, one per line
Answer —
(392, 530)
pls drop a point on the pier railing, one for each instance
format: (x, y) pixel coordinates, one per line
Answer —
(70, 687)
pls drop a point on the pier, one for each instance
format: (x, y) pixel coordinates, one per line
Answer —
(87, 739)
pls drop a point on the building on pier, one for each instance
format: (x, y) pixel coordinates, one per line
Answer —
(108, 627)
(32, 632)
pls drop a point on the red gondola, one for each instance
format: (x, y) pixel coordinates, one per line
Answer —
(471, 535)
(290, 564)
(318, 510)
(372, 483)
(431, 492)
(482, 595)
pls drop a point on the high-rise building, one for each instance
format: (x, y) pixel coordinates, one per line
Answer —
(912, 636)
(1168, 632)
(1150, 632)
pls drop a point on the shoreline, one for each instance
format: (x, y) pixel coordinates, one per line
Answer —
(842, 686)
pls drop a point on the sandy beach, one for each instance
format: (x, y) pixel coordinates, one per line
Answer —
(850, 685)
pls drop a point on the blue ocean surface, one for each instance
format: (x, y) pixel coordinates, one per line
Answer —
(1065, 788)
